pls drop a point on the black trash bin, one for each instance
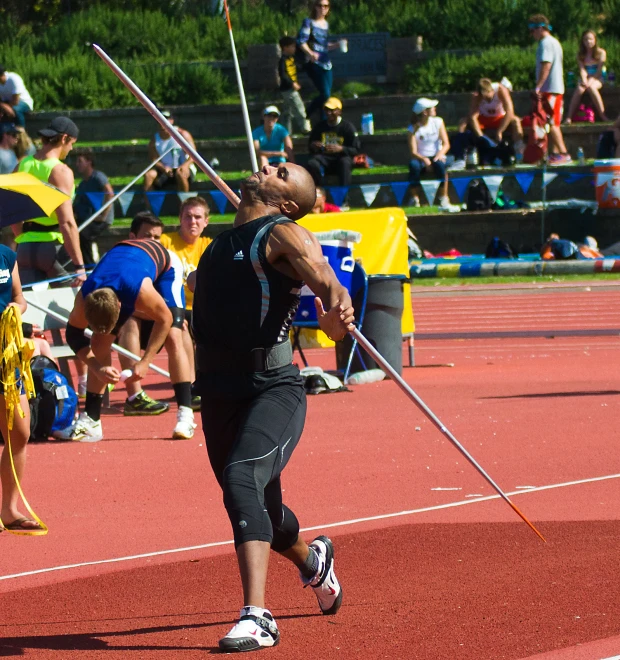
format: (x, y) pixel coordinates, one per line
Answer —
(382, 324)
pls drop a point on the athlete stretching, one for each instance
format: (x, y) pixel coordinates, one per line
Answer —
(140, 276)
(253, 401)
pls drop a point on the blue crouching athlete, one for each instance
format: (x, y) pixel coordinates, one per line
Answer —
(141, 277)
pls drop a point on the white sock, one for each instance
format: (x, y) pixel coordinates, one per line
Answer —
(133, 396)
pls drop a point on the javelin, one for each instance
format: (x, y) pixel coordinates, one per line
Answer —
(355, 333)
(244, 105)
(390, 371)
(166, 125)
(89, 333)
(120, 192)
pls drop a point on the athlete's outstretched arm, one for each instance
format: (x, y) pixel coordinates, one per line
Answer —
(295, 251)
(154, 308)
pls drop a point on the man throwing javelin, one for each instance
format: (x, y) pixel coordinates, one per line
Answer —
(247, 290)
(134, 276)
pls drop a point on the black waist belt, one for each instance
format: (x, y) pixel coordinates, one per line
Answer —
(36, 226)
(255, 361)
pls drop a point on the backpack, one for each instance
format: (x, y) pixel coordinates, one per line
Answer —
(491, 153)
(606, 147)
(537, 124)
(478, 197)
(55, 402)
(499, 249)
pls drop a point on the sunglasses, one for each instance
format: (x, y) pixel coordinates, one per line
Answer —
(319, 5)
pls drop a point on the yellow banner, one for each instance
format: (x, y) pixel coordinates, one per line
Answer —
(382, 250)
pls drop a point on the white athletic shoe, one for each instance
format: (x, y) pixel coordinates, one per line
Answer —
(256, 629)
(184, 430)
(325, 583)
(83, 429)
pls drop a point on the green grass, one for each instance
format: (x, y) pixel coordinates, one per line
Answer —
(541, 279)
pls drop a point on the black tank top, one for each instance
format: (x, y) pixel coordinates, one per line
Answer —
(241, 301)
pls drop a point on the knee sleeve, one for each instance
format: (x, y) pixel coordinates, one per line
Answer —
(76, 338)
(285, 533)
(244, 502)
(178, 316)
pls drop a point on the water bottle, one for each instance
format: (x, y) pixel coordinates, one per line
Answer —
(570, 79)
(580, 156)
(368, 376)
(611, 78)
(604, 74)
(471, 159)
(368, 124)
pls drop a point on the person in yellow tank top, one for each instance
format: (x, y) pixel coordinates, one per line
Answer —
(40, 239)
(189, 244)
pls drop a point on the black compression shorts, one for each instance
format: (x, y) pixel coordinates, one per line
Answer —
(249, 443)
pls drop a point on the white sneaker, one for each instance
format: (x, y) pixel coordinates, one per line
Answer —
(444, 203)
(184, 430)
(83, 429)
(307, 127)
(325, 583)
(255, 629)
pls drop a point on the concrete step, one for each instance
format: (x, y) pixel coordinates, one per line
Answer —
(385, 149)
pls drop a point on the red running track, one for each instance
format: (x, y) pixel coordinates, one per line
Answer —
(431, 570)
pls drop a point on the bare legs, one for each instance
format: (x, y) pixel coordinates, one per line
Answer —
(19, 439)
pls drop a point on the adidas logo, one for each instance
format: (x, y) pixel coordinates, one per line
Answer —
(238, 256)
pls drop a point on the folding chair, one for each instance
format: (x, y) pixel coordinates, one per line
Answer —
(359, 295)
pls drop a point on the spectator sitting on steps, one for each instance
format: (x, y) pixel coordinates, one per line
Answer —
(428, 146)
(174, 167)
(492, 112)
(15, 101)
(332, 143)
(272, 141)
(323, 206)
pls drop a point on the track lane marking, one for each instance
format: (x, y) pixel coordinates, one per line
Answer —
(343, 523)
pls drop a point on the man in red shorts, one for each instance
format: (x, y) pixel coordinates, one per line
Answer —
(550, 83)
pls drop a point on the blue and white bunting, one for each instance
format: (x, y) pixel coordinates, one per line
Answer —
(460, 185)
(338, 194)
(399, 188)
(125, 200)
(156, 201)
(430, 189)
(220, 200)
(524, 179)
(548, 177)
(493, 183)
(96, 199)
(185, 195)
(370, 192)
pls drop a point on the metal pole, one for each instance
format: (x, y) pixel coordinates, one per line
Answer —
(124, 190)
(390, 371)
(544, 202)
(164, 123)
(244, 105)
(89, 333)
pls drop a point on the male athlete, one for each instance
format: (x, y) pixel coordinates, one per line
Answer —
(134, 276)
(248, 283)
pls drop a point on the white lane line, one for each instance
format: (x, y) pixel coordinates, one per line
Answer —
(343, 523)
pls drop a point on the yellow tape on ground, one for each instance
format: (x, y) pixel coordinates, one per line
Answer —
(16, 377)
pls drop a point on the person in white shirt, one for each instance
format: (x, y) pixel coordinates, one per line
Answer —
(174, 167)
(428, 146)
(492, 111)
(15, 101)
(8, 142)
(550, 83)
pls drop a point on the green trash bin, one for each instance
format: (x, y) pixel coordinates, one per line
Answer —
(381, 325)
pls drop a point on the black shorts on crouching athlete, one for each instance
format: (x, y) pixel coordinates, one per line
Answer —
(249, 443)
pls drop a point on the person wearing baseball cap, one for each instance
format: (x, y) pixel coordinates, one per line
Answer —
(8, 142)
(333, 143)
(428, 146)
(40, 240)
(272, 141)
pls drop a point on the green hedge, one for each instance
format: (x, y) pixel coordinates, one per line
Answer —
(456, 73)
